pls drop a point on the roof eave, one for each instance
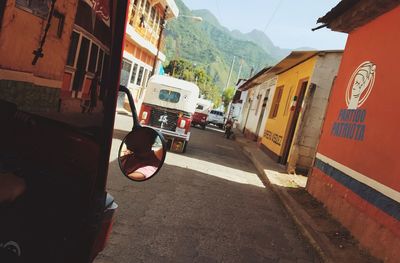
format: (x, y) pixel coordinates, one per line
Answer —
(351, 14)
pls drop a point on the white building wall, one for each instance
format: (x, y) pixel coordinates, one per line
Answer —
(254, 117)
(245, 97)
(270, 92)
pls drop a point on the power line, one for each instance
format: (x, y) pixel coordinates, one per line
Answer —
(218, 9)
(273, 15)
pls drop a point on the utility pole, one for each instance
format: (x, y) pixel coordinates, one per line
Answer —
(240, 70)
(230, 73)
(251, 72)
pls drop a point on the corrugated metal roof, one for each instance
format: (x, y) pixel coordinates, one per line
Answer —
(350, 14)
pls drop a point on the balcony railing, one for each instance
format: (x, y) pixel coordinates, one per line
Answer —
(142, 27)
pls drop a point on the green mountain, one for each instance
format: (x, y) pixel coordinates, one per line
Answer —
(214, 47)
(260, 38)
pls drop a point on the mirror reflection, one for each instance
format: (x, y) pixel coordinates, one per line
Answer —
(141, 154)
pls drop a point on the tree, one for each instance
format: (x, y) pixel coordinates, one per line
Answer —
(183, 69)
(228, 96)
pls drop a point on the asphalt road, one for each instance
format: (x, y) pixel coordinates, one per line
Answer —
(207, 205)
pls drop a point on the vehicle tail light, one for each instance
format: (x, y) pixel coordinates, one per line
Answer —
(145, 114)
(182, 124)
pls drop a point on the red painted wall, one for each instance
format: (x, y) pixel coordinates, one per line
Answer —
(376, 156)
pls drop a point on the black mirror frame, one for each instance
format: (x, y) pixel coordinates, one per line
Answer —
(132, 105)
(136, 125)
(164, 145)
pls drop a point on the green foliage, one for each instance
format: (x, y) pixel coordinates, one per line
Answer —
(184, 69)
(228, 96)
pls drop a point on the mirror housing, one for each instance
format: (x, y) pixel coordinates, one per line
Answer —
(131, 105)
(142, 153)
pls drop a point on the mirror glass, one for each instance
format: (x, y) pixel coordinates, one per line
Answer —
(142, 153)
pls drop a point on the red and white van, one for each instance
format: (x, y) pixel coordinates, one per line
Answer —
(168, 106)
(203, 108)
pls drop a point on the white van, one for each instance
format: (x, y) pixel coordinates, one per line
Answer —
(216, 117)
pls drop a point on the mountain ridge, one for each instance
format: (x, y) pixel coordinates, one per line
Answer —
(210, 45)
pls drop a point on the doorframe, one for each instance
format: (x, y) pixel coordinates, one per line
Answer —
(263, 110)
(301, 92)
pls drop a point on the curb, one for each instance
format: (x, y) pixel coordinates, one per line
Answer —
(302, 220)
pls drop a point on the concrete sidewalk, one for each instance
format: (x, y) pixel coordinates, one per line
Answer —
(325, 234)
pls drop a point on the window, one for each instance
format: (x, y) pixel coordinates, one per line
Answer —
(147, 10)
(93, 58)
(199, 107)
(36, 7)
(134, 73)
(100, 62)
(146, 77)
(156, 22)
(169, 96)
(125, 71)
(152, 16)
(72, 48)
(140, 76)
(275, 102)
(288, 101)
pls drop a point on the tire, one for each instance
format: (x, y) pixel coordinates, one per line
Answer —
(203, 127)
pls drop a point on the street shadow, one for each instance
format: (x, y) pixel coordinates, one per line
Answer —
(180, 214)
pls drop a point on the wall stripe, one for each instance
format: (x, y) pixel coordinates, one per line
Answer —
(368, 193)
(29, 77)
(385, 190)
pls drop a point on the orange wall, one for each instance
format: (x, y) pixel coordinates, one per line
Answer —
(376, 156)
(139, 53)
(16, 49)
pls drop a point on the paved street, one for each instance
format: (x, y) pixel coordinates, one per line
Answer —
(207, 205)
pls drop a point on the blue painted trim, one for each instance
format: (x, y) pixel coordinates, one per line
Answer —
(372, 196)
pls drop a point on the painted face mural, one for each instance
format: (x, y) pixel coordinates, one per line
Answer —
(360, 85)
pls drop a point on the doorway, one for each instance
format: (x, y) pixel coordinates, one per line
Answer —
(293, 123)
(263, 109)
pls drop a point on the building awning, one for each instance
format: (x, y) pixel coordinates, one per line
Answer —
(350, 14)
(292, 60)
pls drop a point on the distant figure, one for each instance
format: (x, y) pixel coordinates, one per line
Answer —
(228, 128)
(142, 19)
(93, 92)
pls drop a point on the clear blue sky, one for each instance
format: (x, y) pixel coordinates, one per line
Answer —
(287, 23)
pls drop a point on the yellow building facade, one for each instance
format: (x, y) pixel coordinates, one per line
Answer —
(298, 106)
(288, 89)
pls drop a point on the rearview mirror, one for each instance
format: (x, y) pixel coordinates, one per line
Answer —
(142, 153)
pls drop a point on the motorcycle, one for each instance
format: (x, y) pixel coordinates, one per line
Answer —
(228, 129)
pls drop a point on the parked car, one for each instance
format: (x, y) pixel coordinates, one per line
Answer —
(216, 117)
(201, 113)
